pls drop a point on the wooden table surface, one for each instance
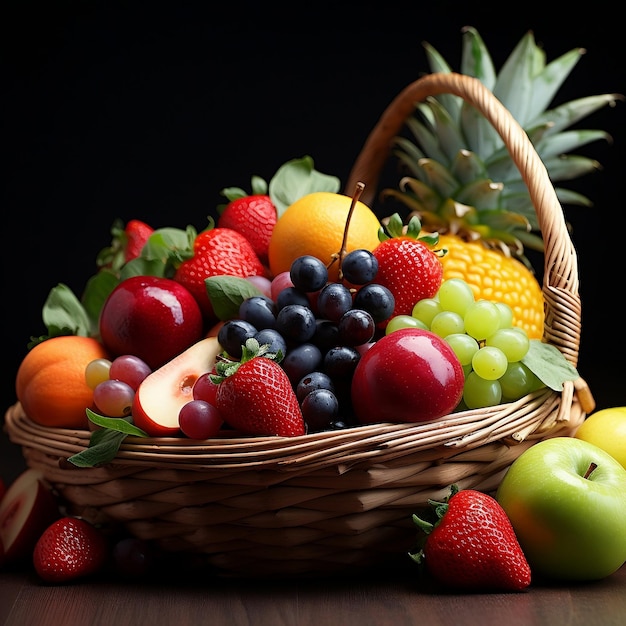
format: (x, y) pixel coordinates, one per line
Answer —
(384, 599)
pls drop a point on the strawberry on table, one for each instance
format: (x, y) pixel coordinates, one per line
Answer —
(217, 252)
(69, 549)
(472, 545)
(253, 215)
(255, 395)
(407, 265)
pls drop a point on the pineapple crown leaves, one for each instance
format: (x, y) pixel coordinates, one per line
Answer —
(225, 366)
(466, 147)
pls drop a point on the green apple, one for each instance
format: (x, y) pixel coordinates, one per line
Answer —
(607, 430)
(566, 499)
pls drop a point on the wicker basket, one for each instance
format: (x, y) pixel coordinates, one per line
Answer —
(333, 501)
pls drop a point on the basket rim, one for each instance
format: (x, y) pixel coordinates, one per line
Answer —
(511, 424)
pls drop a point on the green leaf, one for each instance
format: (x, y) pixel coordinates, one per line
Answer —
(63, 313)
(96, 291)
(226, 293)
(298, 178)
(103, 447)
(105, 442)
(549, 364)
(118, 424)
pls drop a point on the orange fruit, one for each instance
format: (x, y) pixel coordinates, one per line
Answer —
(315, 225)
(50, 382)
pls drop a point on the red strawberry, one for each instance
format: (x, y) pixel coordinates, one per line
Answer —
(69, 549)
(126, 244)
(407, 266)
(472, 545)
(137, 234)
(254, 217)
(255, 395)
(217, 252)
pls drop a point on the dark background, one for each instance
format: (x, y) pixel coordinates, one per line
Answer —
(144, 110)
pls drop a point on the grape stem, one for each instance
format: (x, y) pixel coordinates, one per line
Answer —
(338, 256)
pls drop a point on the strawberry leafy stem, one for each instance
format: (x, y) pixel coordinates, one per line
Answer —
(225, 367)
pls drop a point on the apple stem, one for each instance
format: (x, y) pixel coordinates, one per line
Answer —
(590, 469)
(342, 252)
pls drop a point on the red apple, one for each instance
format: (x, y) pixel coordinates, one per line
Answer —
(27, 508)
(151, 317)
(163, 393)
(409, 375)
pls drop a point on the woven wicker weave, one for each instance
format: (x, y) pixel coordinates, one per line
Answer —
(333, 501)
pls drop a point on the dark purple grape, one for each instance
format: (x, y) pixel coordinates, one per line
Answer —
(308, 273)
(340, 361)
(359, 267)
(260, 311)
(356, 327)
(311, 382)
(319, 408)
(291, 295)
(296, 323)
(233, 335)
(326, 334)
(333, 301)
(274, 340)
(301, 360)
(377, 300)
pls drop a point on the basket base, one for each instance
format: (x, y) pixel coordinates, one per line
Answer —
(275, 520)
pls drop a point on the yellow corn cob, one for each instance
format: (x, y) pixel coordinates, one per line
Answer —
(496, 277)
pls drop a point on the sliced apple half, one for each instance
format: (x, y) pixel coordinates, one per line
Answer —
(27, 508)
(163, 393)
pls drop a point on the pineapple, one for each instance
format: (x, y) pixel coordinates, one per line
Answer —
(462, 183)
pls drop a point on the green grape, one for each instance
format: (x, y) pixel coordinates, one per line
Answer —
(446, 323)
(506, 314)
(463, 346)
(511, 341)
(404, 321)
(424, 310)
(478, 392)
(517, 381)
(489, 362)
(96, 372)
(455, 295)
(482, 319)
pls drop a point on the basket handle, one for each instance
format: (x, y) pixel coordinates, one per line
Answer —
(560, 263)
(562, 325)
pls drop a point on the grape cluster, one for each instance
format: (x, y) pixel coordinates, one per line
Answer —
(483, 337)
(114, 383)
(318, 330)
